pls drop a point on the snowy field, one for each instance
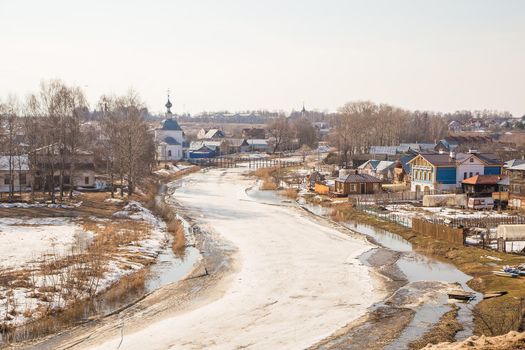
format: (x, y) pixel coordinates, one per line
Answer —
(295, 281)
(26, 240)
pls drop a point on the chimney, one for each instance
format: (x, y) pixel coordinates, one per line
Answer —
(452, 154)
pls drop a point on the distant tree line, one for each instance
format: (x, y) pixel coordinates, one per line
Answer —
(359, 125)
(292, 133)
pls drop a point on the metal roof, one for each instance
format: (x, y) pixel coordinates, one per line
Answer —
(483, 180)
(359, 178)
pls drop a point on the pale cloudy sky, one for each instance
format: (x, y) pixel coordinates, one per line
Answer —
(274, 54)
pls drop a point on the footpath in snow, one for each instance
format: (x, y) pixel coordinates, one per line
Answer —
(296, 281)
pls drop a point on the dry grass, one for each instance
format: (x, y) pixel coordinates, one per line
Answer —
(268, 185)
(291, 193)
(176, 229)
(268, 178)
(128, 284)
(173, 225)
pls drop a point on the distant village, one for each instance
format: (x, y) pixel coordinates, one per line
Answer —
(467, 159)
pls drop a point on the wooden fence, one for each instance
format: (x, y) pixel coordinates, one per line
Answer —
(253, 163)
(390, 197)
(439, 231)
(480, 222)
(257, 163)
(220, 162)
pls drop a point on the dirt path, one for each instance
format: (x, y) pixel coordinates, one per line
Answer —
(293, 280)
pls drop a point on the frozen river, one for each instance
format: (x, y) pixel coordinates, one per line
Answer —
(294, 280)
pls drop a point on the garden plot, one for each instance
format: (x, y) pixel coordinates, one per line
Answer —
(410, 211)
(48, 263)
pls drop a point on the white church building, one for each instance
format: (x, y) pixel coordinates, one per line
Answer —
(169, 138)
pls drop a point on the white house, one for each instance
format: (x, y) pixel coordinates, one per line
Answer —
(19, 175)
(169, 138)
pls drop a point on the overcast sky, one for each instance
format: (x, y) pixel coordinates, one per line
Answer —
(272, 54)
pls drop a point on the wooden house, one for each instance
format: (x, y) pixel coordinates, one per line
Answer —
(516, 186)
(483, 185)
(357, 184)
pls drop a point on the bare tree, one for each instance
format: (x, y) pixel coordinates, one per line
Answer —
(281, 132)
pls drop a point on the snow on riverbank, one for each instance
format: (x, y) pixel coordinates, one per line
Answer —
(47, 259)
(172, 169)
(295, 280)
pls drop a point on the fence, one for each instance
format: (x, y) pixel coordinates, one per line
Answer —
(220, 162)
(391, 197)
(439, 231)
(257, 163)
(480, 222)
(398, 219)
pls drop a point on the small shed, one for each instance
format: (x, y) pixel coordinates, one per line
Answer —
(357, 184)
(321, 188)
(511, 232)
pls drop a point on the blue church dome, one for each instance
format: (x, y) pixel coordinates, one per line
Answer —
(170, 124)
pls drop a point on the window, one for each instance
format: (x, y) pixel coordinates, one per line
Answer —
(23, 179)
(7, 181)
(86, 180)
(477, 172)
(169, 153)
(471, 159)
(470, 174)
(464, 175)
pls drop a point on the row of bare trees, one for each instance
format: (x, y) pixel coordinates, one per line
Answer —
(127, 147)
(359, 125)
(290, 133)
(48, 133)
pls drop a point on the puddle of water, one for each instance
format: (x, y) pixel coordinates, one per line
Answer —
(170, 268)
(417, 267)
(317, 209)
(385, 238)
(423, 320)
(270, 197)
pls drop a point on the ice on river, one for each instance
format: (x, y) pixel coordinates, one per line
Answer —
(295, 280)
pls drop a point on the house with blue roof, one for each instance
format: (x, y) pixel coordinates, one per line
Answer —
(446, 171)
(382, 169)
(169, 138)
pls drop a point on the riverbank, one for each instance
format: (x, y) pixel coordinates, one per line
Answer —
(130, 246)
(416, 299)
(491, 317)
